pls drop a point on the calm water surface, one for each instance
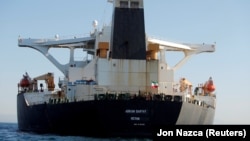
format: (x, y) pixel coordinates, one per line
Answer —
(9, 132)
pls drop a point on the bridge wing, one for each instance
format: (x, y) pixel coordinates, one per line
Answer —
(56, 43)
(186, 47)
(169, 46)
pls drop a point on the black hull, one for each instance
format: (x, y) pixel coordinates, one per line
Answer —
(103, 118)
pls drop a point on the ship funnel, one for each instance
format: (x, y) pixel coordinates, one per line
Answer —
(128, 30)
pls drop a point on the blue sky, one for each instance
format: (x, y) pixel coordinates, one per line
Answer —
(226, 22)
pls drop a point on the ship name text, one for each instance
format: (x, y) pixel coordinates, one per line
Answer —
(136, 111)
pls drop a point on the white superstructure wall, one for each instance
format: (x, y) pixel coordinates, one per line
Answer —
(126, 75)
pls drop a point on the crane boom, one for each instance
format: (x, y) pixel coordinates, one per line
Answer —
(49, 80)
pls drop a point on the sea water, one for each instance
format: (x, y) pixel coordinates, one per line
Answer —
(9, 132)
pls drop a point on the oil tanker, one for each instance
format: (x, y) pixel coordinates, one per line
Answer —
(122, 86)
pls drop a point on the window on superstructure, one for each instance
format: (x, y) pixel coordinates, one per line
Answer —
(124, 4)
(134, 4)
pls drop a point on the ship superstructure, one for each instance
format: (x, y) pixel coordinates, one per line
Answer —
(123, 86)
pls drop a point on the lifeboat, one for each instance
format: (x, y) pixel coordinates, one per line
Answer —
(25, 81)
(209, 86)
